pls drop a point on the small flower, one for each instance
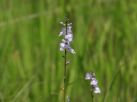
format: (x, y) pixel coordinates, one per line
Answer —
(72, 51)
(88, 76)
(62, 32)
(69, 49)
(62, 46)
(97, 90)
(62, 23)
(93, 82)
(61, 49)
(69, 37)
(69, 30)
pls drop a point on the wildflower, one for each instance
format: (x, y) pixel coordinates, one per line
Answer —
(62, 23)
(63, 32)
(65, 45)
(66, 32)
(69, 37)
(69, 49)
(88, 76)
(97, 90)
(93, 82)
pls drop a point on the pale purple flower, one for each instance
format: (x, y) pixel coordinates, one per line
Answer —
(69, 49)
(62, 23)
(97, 90)
(72, 51)
(93, 82)
(62, 45)
(62, 32)
(69, 37)
(88, 76)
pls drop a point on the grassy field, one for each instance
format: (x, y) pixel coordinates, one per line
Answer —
(105, 41)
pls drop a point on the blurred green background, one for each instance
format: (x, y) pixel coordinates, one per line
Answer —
(105, 41)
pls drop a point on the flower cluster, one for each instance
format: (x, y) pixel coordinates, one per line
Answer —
(66, 32)
(93, 82)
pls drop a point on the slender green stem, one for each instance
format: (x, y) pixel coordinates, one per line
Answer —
(65, 72)
(92, 95)
(65, 69)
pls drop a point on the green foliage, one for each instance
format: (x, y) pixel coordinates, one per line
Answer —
(31, 65)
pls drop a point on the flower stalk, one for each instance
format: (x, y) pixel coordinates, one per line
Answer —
(65, 74)
(92, 95)
(65, 68)
(66, 32)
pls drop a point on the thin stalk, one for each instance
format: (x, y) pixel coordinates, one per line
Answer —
(92, 95)
(65, 72)
(65, 69)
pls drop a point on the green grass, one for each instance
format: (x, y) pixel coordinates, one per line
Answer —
(105, 38)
